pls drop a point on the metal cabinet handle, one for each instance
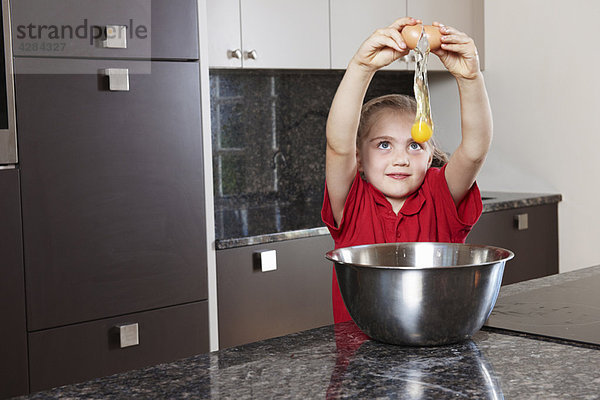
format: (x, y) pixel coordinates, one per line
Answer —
(129, 335)
(116, 37)
(237, 53)
(118, 79)
(265, 260)
(521, 221)
(252, 54)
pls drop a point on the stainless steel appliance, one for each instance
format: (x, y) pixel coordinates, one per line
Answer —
(568, 311)
(8, 134)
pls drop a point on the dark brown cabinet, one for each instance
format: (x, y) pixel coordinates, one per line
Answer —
(84, 351)
(112, 189)
(535, 246)
(13, 337)
(255, 305)
(157, 29)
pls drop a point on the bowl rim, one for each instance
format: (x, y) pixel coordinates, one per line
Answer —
(509, 255)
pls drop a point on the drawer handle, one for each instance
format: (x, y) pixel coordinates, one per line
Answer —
(521, 221)
(118, 79)
(266, 260)
(128, 335)
(116, 37)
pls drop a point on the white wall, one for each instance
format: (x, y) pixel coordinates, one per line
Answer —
(541, 71)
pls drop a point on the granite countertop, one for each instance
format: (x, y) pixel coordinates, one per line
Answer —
(275, 221)
(338, 361)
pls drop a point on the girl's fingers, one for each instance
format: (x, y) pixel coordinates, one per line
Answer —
(397, 37)
(455, 39)
(402, 22)
(386, 41)
(391, 38)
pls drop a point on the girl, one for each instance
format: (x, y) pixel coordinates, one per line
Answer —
(380, 183)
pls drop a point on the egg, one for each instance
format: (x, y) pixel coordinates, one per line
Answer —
(412, 33)
(421, 131)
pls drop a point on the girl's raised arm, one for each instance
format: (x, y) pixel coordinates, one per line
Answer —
(459, 55)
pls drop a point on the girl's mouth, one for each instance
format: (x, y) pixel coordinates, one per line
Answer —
(398, 176)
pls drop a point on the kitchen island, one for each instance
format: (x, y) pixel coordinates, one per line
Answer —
(338, 361)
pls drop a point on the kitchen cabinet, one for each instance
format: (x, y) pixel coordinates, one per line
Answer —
(268, 34)
(80, 352)
(142, 29)
(112, 195)
(353, 21)
(534, 242)
(255, 305)
(13, 336)
(112, 190)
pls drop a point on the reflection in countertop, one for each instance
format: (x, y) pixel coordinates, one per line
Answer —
(271, 221)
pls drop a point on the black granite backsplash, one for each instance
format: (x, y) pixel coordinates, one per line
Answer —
(269, 145)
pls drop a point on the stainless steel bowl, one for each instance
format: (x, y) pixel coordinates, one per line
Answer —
(420, 294)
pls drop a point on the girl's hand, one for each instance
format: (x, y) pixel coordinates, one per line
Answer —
(458, 52)
(384, 46)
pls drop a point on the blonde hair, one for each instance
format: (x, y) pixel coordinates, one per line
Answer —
(399, 103)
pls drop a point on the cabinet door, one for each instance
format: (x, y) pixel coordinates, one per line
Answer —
(285, 34)
(112, 189)
(164, 29)
(89, 350)
(255, 305)
(353, 21)
(535, 248)
(464, 15)
(13, 334)
(224, 33)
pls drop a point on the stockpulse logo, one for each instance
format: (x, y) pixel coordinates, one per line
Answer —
(84, 31)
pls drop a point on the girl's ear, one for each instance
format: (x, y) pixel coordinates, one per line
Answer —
(358, 161)
(430, 160)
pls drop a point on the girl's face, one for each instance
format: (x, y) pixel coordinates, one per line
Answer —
(391, 160)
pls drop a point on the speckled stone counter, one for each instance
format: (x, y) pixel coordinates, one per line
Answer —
(339, 362)
(275, 221)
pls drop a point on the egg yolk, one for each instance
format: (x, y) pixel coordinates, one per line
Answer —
(421, 131)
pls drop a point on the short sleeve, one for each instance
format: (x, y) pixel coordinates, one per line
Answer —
(349, 206)
(464, 215)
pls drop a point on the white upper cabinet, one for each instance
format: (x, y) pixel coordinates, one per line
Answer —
(270, 33)
(322, 34)
(353, 21)
(224, 34)
(464, 15)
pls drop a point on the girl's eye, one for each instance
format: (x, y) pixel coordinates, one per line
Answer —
(384, 145)
(415, 146)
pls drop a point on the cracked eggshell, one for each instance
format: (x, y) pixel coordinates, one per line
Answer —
(411, 34)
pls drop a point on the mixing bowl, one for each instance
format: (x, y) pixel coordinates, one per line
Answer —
(420, 294)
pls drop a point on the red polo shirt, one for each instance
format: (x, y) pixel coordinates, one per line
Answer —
(428, 215)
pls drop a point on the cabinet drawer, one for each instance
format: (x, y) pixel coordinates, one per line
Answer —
(535, 248)
(112, 191)
(78, 28)
(255, 305)
(84, 351)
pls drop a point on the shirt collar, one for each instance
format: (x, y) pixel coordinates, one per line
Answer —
(411, 206)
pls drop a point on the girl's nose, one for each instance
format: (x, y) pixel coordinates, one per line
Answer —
(401, 159)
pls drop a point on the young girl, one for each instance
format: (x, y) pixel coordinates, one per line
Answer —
(381, 186)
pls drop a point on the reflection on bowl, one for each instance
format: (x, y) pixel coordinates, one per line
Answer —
(421, 294)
